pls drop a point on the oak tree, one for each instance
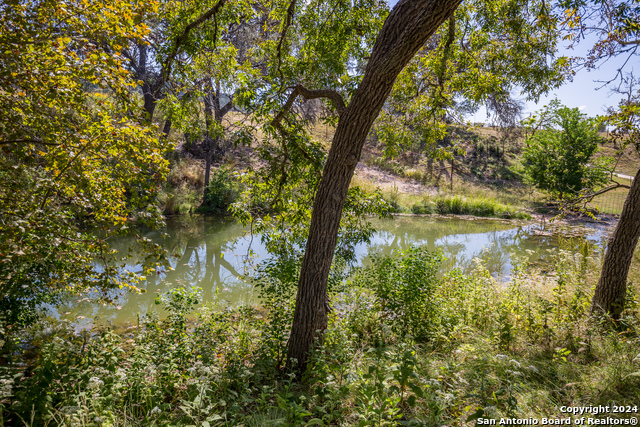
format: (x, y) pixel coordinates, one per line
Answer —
(405, 30)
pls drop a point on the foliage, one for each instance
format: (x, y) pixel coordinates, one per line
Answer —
(404, 288)
(74, 154)
(221, 193)
(494, 350)
(625, 119)
(458, 205)
(484, 53)
(183, 188)
(559, 157)
(612, 26)
(322, 48)
(281, 211)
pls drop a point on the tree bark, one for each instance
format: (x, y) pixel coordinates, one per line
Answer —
(405, 30)
(610, 292)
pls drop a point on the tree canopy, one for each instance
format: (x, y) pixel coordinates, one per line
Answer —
(75, 153)
(559, 156)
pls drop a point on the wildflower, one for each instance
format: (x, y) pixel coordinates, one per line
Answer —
(6, 386)
(95, 383)
(121, 374)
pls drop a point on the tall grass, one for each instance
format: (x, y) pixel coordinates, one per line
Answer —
(459, 205)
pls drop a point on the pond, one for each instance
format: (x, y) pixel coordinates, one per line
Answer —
(215, 254)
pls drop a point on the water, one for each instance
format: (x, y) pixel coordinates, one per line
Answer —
(214, 254)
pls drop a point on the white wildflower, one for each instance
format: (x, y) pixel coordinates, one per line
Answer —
(121, 374)
(6, 386)
(95, 383)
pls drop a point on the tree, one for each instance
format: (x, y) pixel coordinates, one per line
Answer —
(559, 156)
(405, 30)
(616, 26)
(215, 66)
(317, 45)
(484, 53)
(174, 29)
(75, 155)
(610, 293)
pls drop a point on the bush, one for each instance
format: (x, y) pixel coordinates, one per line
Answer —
(221, 192)
(404, 287)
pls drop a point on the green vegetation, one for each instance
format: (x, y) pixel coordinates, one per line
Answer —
(76, 161)
(221, 193)
(559, 157)
(95, 97)
(182, 191)
(403, 346)
(458, 205)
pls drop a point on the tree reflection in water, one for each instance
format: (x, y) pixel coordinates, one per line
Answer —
(211, 254)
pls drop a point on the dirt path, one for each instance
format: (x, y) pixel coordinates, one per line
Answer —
(387, 181)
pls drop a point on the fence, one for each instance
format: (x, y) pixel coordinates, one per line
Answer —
(613, 201)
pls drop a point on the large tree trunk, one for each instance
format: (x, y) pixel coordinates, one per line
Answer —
(612, 286)
(406, 29)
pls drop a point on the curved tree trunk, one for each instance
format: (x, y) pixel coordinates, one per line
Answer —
(612, 286)
(406, 29)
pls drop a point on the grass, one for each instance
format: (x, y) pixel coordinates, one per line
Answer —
(629, 159)
(183, 190)
(612, 201)
(460, 205)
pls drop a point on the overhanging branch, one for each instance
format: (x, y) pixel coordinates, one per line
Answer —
(329, 94)
(586, 198)
(185, 33)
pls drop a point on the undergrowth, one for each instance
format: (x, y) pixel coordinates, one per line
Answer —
(404, 347)
(182, 192)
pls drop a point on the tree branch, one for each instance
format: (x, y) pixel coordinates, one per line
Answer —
(185, 33)
(228, 106)
(330, 94)
(629, 43)
(589, 197)
(287, 23)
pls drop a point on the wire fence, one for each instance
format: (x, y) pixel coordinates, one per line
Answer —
(613, 201)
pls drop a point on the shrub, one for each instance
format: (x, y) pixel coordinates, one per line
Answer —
(559, 157)
(221, 192)
(404, 287)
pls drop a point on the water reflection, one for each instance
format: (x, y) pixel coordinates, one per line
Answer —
(215, 254)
